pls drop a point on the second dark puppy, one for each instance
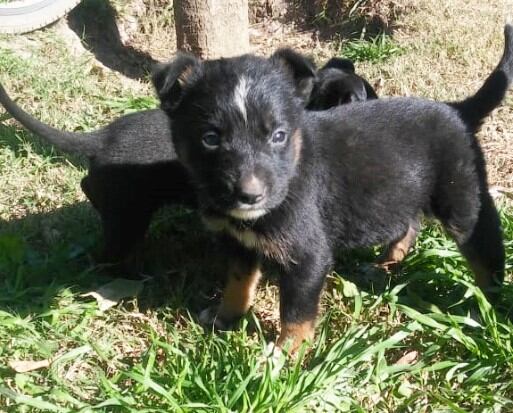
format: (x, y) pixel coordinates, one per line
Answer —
(133, 168)
(130, 163)
(336, 84)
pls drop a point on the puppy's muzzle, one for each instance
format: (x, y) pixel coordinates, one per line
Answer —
(250, 197)
(249, 192)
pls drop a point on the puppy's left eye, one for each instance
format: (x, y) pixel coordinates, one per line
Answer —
(211, 140)
(278, 137)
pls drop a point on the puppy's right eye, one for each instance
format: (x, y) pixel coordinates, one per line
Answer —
(278, 137)
(211, 140)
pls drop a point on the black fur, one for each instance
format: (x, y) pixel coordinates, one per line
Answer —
(131, 161)
(353, 176)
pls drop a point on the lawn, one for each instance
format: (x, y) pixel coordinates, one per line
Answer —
(422, 339)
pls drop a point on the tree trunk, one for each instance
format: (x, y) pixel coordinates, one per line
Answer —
(212, 28)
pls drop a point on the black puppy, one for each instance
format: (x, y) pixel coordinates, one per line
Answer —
(130, 165)
(337, 84)
(133, 169)
(283, 184)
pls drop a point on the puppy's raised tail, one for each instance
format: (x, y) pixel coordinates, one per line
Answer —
(86, 144)
(474, 109)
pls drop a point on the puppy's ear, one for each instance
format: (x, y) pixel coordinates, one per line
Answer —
(371, 93)
(354, 88)
(345, 65)
(300, 67)
(170, 79)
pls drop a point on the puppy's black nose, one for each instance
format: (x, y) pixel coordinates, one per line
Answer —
(250, 199)
(250, 191)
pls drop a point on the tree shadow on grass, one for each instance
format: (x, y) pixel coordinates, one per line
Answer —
(94, 21)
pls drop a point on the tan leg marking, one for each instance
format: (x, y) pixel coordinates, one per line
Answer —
(295, 334)
(397, 251)
(240, 290)
(297, 142)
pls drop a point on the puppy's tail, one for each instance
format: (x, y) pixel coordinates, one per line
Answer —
(87, 144)
(474, 109)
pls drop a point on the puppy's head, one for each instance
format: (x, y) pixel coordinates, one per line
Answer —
(236, 127)
(338, 84)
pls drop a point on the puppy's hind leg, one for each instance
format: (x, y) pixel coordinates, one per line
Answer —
(396, 251)
(123, 231)
(87, 188)
(479, 238)
(484, 249)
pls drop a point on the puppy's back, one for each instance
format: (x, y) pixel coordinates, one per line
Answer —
(386, 156)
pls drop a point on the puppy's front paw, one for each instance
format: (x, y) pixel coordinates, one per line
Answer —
(209, 318)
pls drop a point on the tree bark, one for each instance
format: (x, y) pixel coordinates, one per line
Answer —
(212, 28)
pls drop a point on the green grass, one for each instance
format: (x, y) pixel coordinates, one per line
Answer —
(149, 354)
(400, 343)
(377, 49)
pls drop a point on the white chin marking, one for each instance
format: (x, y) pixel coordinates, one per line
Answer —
(245, 214)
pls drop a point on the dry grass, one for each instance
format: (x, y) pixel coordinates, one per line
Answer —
(451, 48)
(148, 25)
(333, 15)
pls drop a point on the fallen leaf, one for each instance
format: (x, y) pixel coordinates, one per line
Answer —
(408, 358)
(24, 366)
(110, 294)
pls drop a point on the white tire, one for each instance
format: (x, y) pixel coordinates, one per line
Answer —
(24, 16)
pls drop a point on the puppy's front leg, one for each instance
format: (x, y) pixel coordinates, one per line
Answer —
(300, 290)
(239, 292)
